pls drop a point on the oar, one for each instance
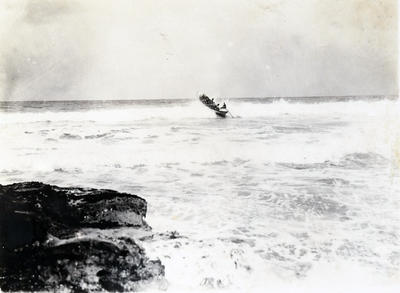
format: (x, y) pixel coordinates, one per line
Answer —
(230, 112)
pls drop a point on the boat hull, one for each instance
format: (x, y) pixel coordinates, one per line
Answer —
(221, 113)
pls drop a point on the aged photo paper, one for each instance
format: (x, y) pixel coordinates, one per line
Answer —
(199, 146)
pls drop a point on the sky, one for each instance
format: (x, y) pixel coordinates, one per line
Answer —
(127, 49)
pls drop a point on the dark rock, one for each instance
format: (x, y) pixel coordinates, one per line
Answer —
(32, 212)
(97, 264)
(63, 210)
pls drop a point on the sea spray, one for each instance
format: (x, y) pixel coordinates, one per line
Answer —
(293, 196)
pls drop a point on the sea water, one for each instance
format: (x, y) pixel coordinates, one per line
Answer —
(293, 195)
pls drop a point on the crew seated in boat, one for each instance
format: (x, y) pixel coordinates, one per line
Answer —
(223, 106)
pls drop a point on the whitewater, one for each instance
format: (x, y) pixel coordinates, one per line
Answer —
(289, 195)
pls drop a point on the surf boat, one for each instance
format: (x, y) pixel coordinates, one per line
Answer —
(219, 111)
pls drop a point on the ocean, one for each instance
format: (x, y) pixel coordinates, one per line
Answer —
(289, 195)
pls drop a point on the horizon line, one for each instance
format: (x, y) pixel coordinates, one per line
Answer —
(243, 97)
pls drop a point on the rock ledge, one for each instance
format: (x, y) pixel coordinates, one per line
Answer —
(33, 215)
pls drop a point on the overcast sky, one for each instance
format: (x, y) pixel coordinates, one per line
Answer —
(52, 50)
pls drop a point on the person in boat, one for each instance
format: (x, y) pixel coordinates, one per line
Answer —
(223, 106)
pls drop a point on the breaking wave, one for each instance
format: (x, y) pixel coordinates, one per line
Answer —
(289, 197)
(194, 109)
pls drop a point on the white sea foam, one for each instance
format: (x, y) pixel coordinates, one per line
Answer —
(290, 197)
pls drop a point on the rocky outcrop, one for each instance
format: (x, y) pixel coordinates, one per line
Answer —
(39, 250)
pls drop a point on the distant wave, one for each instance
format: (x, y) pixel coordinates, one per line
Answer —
(94, 136)
(70, 136)
(87, 105)
(194, 109)
(349, 161)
